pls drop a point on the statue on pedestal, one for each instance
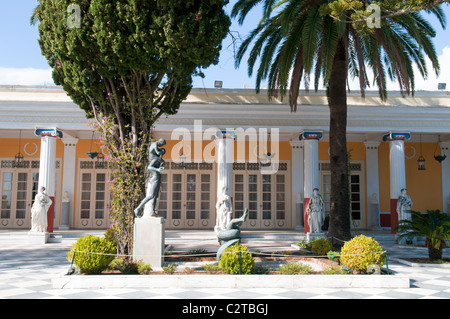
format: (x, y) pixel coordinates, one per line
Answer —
(155, 167)
(42, 203)
(316, 212)
(404, 205)
(223, 208)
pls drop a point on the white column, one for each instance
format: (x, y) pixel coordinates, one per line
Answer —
(224, 148)
(445, 169)
(68, 182)
(224, 156)
(47, 167)
(311, 168)
(397, 169)
(373, 189)
(297, 184)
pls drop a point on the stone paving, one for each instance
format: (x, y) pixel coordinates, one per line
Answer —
(26, 272)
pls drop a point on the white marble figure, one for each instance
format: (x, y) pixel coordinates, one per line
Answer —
(39, 210)
(316, 212)
(223, 208)
(404, 205)
(66, 197)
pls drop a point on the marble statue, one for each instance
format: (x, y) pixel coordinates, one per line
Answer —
(316, 212)
(39, 210)
(404, 205)
(223, 209)
(231, 234)
(155, 167)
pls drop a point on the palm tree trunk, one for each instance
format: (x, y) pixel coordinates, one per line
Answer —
(433, 252)
(339, 228)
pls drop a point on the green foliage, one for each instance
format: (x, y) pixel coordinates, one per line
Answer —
(169, 269)
(297, 38)
(295, 269)
(110, 236)
(321, 246)
(93, 254)
(129, 63)
(334, 270)
(260, 270)
(333, 255)
(211, 268)
(144, 269)
(198, 251)
(128, 267)
(236, 257)
(433, 225)
(361, 252)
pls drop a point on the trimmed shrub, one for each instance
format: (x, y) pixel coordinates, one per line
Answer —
(295, 269)
(89, 256)
(321, 246)
(361, 252)
(229, 261)
(144, 269)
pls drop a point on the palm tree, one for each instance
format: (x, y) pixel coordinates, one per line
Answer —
(298, 37)
(433, 225)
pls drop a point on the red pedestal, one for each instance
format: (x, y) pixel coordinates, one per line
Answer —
(305, 216)
(394, 215)
(50, 215)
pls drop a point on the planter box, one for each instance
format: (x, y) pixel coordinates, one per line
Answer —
(230, 281)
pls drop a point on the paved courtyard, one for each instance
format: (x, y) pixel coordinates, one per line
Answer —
(26, 272)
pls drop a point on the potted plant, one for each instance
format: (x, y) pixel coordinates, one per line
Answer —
(433, 225)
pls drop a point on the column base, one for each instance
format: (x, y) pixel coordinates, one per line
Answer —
(394, 215)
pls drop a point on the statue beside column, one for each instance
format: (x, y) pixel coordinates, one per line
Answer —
(404, 204)
(39, 222)
(316, 212)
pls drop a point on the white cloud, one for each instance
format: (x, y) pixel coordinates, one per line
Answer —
(25, 76)
(421, 84)
(431, 84)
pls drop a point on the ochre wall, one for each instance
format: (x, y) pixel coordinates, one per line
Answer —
(424, 187)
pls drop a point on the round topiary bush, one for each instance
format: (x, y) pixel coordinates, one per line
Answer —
(361, 252)
(93, 254)
(321, 246)
(229, 260)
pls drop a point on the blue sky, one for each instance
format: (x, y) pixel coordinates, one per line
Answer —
(21, 61)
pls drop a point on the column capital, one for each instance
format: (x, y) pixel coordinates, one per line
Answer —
(396, 136)
(224, 134)
(52, 132)
(372, 144)
(445, 144)
(296, 144)
(70, 141)
(310, 135)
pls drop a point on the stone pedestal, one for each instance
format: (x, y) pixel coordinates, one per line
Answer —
(311, 236)
(64, 225)
(148, 242)
(38, 238)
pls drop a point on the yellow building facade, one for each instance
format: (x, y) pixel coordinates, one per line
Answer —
(264, 133)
